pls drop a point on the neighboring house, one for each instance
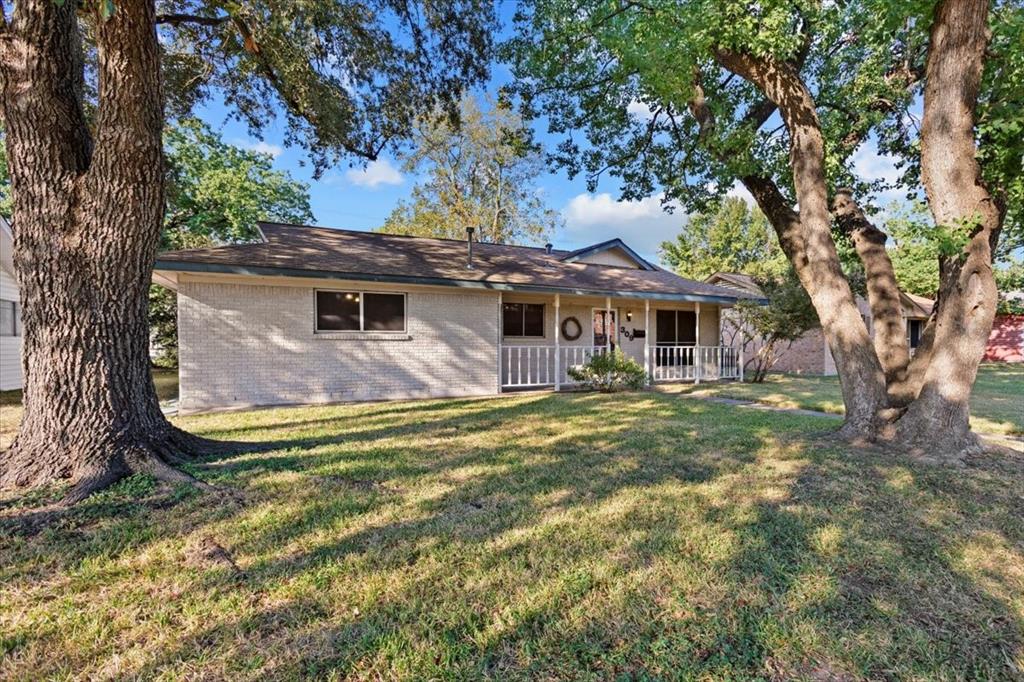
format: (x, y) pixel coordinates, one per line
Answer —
(809, 354)
(1006, 342)
(319, 315)
(10, 313)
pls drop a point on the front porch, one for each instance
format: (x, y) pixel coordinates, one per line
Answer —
(541, 337)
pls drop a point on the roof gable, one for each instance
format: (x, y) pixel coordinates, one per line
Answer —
(614, 253)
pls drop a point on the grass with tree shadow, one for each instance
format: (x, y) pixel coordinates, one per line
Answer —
(997, 401)
(533, 536)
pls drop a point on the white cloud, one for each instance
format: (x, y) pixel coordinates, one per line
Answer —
(869, 165)
(260, 146)
(639, 110)
(643, 224)
(739, 191)
(379, 172)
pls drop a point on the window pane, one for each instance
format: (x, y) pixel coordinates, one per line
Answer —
(915, 333)
(337, 310)
(384, 312)
(666, 326)
(512, 319)
(687, 327)
(533, 320)
(7, 323)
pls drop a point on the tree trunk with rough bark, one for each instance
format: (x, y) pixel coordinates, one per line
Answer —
(922, 404)
(807, 239)
(889, 326)
(88, 207)
(938, 421)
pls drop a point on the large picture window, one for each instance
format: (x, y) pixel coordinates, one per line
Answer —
(9, 318)
(359, 311)
(522, 319)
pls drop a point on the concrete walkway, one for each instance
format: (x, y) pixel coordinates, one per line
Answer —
(754, 405)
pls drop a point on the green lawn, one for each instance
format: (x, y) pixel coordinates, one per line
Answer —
(540, 536)
(997, 402)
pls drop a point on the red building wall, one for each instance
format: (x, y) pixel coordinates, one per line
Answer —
(1006, 342)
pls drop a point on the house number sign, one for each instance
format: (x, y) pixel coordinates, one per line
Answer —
(632, 334)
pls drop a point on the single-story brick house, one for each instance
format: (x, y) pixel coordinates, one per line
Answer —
(809, 354)
(312, 314)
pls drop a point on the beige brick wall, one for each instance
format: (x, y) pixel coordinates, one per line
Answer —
(248, 344)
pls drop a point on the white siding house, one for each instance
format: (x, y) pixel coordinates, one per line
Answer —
(313, 315)
(10, 313)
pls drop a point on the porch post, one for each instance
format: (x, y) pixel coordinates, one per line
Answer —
(558, 335)
(647, 339)
(741, 361)
(607, 324)
(500, 310)
(699, 360)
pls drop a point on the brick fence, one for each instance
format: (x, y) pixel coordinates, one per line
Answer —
(1006, 342)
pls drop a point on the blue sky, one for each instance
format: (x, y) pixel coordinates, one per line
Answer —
(362, 198)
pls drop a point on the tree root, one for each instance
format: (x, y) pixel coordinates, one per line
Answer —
(104, 463)
(936, 447)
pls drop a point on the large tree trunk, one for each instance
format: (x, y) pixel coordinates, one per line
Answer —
(807, 239)
(938, 421)
(88, 212)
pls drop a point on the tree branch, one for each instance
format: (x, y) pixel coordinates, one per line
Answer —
(890, 337)
(178, 19)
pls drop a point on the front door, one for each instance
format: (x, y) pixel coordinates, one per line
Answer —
(603, 324)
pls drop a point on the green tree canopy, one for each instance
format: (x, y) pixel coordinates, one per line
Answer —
(733, 238)
(216, 192)
(479, 171)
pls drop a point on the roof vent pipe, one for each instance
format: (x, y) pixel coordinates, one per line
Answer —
(469, 244)
(547, 247)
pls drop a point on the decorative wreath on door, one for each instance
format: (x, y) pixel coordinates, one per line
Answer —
(571, 328)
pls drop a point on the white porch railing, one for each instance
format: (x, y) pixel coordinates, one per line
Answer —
(535, 366)
(524, 366)
(695, 363)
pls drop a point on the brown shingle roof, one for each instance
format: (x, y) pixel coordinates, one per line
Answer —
(299, 250)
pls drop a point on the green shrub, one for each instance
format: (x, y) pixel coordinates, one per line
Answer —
(609, 372)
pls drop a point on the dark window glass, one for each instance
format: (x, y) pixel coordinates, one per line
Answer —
(675, 328)
(512, 319)
(533, 319)
(383, 312)
(687, 321)
(337, 310)
(915, 333)
(522, 319)
(666, 326)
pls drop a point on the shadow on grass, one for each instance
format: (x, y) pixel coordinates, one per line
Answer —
(561, 536)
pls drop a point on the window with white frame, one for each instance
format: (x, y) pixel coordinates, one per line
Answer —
(9, 323)
(359, 311)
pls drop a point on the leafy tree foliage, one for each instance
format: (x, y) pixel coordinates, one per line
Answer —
(765, 331)
(353, 76)
(733, 238)
(217, 192)
(481, 171)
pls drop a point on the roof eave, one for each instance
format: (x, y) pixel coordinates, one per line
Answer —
(260, 271)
